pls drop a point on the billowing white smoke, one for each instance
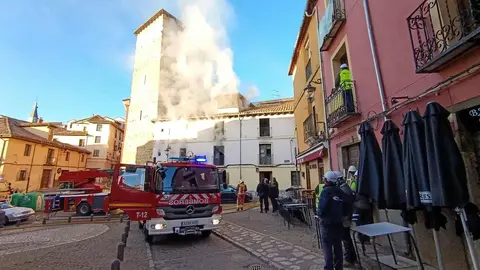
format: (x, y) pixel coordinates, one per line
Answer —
(197, 61)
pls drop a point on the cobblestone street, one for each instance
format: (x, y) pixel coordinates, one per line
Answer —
(86, 246)
(213, 253)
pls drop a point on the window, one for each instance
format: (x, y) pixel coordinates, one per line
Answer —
(99, 127)
(22, 175)
(84, 128)
(67, 156)
(71, 125)
(140, 115)
(219, 155)
(264, 124)
(81, 142)
(28, 148)
(295, 178)
(183, 152)
(96, 153)
(219, 128)
(116, 131)
(133, 178)
(82, 158)
(114, 147)
(98, 139)
(265, 154)
(50, 157)
(308, 60)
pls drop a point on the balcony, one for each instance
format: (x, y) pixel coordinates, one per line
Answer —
(333, 17)
(308, 70)
(441, 30)
(50, 161)
(311, 133)
(341, 104)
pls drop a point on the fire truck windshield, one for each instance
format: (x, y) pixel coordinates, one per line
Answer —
(190, 179)
(133, 178)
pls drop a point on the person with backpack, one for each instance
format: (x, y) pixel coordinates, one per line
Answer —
(349, 255)
(330, 210)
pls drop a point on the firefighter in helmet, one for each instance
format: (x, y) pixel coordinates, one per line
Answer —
(241, 191)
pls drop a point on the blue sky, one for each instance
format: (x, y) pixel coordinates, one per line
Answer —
(75, 56)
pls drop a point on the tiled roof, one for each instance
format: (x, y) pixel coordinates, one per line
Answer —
(65, 132)
(14, 128)
(271, 107)
(98, 119)
(153, 18)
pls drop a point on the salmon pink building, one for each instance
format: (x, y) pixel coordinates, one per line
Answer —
(402, 55)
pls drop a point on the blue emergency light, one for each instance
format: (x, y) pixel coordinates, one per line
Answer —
(196, 159)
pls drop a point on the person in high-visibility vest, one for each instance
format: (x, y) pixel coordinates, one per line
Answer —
(318, 191)
(344, 82)
(352, 177)
(241, 191)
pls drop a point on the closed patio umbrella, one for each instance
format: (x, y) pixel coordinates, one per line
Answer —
(446, 169)
(393, 181)
(370, 182)
(417, 185)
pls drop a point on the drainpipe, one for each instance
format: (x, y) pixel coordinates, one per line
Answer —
(240, 143)
(324, 92)
(30, 169)
(373, 48)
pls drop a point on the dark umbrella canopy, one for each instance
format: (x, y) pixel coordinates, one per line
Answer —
(370, 182)
(415, 171)
(393, 181)
(446, 170)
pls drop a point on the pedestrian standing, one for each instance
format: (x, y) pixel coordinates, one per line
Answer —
(274, 192)
(349, 255)
(331, 212)
(241, 191)
(263, 191)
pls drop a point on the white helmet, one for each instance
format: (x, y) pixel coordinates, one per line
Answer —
(330, 176)
(356, 173)
(342, 66)
(352, 169)
(339, 174)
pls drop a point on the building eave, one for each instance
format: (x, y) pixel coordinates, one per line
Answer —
(310, 7)
(153, 18)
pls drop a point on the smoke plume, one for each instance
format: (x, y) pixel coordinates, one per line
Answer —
(197, 62)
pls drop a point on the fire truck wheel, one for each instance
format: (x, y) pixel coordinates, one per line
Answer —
(206, 233)
(84, 209)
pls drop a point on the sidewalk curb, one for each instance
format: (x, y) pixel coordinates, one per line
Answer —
(151, 264)
(249, 250)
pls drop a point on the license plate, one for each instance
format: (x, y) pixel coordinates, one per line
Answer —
(187, 230)
(189, 223)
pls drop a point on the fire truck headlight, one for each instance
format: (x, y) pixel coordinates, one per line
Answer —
(215, 221)
(159, 226)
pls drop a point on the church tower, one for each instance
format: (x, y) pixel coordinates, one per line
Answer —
(33, 118)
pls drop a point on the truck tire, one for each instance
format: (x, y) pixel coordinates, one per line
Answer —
(206, 233)
(84, 209)
(148, 237)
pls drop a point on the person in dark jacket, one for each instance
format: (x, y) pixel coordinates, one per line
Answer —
(349, 255)
(362, 214)
(274, 192)
(263, 192)
(331, 212)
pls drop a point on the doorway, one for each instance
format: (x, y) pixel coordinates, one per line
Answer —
(45, 178)
(262, 175)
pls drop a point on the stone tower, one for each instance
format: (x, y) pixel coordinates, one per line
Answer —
(145, 104)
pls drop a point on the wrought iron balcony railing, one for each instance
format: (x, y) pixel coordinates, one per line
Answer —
(333, 17)
(341, 104)
(311, 133)
(441, 30)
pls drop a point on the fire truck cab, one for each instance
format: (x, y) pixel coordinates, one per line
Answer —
(180, 196)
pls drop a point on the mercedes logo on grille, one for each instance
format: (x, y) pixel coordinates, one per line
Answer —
(190, 209)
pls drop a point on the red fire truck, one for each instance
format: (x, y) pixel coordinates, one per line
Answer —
(181, 196)
(77, 192)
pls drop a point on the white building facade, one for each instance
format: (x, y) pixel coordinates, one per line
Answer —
(255, 143)
(102, 136)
